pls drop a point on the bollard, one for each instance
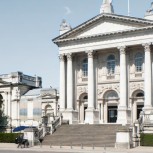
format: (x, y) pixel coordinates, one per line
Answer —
(71, 145)
(50, 145)
(93, 147)
(104, 148)
(40, 145)
(81, 145)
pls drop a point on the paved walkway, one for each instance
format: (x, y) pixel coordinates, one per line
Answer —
(9, 146)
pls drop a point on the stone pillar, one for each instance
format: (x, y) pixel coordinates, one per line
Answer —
(69, 114)
(122, 108)
(6, 103)
(148, 80)
(62, 82)
(92, 115)
(90, 81)
(69, 82)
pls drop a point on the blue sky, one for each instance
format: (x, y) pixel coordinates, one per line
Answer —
(28, 26)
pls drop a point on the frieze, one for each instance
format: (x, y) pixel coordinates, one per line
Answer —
(81, 90)
(103, 88)
(136, 86)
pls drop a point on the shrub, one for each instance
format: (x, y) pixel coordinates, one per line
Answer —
(8, 137)
(146, 139)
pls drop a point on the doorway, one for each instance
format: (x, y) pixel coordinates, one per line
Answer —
(139, 109)
(82, 108)
(112, 114)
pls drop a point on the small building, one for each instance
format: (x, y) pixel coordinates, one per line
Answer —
(39, 106)
(12, 87)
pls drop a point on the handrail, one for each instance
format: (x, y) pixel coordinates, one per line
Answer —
(55, 124)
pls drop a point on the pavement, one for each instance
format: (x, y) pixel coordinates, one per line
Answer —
(140, 149)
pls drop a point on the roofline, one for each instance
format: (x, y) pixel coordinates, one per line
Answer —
(127, 18)
(105, 34)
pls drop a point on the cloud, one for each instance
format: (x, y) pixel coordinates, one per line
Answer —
(67, 10)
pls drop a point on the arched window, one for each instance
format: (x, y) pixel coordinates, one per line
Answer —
(111, 64)
(140, 94)
(85, 67)
(138, 62)
(111, 95)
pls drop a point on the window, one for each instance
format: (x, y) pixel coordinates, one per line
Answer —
(111, 95)
(111, 64)
(85, 67)
(23, 112)
(138, 62)
(37, 111)
(140, 94)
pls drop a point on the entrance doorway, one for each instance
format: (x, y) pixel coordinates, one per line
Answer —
(137, 104)
(82, 108)
(112, 114)
(139, 109)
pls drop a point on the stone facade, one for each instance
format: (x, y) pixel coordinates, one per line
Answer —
(39, 106)
(106, 69)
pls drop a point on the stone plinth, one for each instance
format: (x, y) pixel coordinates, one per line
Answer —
(123, 138)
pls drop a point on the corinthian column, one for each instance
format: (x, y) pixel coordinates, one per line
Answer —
(122, 107)
(90, 81)
(92, 115)
(69, 82)
(62, 82)
(123, 78)
(147, 82)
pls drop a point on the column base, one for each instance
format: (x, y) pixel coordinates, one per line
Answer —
(92, 116)
(71, 116)
(124, 116)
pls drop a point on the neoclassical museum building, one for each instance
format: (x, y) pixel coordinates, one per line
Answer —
(106, 68)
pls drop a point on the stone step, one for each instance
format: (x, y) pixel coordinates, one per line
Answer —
(97, 135)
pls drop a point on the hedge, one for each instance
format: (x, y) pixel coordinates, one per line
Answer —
(8, 137)
(146, 139)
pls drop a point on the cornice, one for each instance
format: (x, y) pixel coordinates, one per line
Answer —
(129, 31)
(107, 16)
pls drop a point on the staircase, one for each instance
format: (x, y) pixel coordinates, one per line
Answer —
(88, 135)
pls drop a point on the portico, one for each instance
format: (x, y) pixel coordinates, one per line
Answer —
(107, 54)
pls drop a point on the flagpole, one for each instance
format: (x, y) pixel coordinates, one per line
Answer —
(128, 7)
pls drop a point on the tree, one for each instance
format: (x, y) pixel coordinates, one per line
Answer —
(3, 121)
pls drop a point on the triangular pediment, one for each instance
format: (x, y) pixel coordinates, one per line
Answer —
(104, 24)
(104, 27)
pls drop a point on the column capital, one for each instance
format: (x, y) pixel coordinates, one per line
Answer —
(122, 49)
(69, 56)
(90, 54)
(146, 47)
(61, 57)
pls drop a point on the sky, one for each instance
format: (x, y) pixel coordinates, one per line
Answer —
(27, 28)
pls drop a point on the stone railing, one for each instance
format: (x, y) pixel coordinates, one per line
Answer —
(55, 124)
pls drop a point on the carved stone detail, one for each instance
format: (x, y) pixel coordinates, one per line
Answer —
(90, 54)
(69, 56)
(136, 86)
(61, 57)
(81, 90)
(103, 88)
(146, 47)
(122, 49)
